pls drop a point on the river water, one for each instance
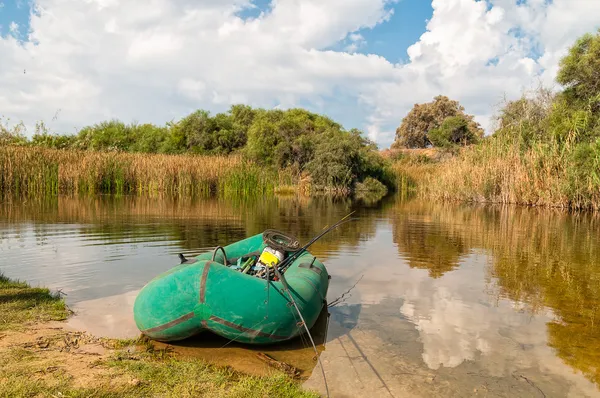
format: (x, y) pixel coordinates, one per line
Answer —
(448, 300)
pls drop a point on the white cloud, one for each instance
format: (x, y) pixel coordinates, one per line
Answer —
(356, 41)
(159, 60)
(13, 27)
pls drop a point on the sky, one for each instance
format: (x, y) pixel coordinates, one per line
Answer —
(364, 63)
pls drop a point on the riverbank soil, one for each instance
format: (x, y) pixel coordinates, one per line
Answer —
(43, 359)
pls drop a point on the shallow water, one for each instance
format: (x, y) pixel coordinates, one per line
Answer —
(450, 300)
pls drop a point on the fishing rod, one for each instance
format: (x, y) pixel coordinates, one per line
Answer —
(286, 287)
(285, 263)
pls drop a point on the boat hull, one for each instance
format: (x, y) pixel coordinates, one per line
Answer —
(206, 295)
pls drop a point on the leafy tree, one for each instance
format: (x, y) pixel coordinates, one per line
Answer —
(242, 116)
(453, 131)
(302, 141)
(342, 158)
(580, 69)
(148, 138)
(108, 135)
(263, 137)
(195, 129)
(335, 161)
(423, 118)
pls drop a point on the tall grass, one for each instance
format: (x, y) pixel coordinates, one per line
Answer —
(545, 174)
(31, 171)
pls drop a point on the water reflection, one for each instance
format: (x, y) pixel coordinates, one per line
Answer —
(451, 299)
(79, 245)
(427, 242)
(546, 263)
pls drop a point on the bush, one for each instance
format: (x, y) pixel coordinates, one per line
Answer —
(453, 131)
(526, 120)
(371, 185)
(148, 138)
(110, 135)
(55, 141)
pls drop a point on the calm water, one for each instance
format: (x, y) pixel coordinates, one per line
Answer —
(450, 300)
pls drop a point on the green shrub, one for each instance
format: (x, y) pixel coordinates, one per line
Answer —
(454, 131)
(370, 184)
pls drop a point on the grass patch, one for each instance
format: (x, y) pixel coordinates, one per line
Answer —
(144, 377)
(175, 377)
(131, 367)
(21, 304)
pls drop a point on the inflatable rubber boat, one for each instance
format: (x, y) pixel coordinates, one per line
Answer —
(233, 292)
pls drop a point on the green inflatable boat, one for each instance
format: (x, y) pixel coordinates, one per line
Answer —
(215, 292)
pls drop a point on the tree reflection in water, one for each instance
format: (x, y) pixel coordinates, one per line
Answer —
(541, 258)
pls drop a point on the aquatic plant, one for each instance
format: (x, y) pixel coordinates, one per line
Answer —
(37, 172)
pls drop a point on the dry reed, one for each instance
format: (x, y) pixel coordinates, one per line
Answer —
(497, 172)
(28, 171)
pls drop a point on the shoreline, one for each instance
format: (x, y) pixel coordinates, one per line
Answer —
(40, 356)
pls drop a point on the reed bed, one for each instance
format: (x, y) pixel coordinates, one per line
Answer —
(501, 173)
(34, 171)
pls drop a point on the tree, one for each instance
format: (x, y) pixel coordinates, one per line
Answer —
(453, 131)
(263, 137)
(108, 135)
(196, 128)
(423, 118)
(580, 69)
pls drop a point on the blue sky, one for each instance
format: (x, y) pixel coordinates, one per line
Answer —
(391, 39)
(14, 11)
(364, 63)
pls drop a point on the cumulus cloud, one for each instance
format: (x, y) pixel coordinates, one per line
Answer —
(162, 59)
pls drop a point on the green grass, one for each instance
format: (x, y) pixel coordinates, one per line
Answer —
(144, 377)
(134, 369)
(21, 304)
(176, 377)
